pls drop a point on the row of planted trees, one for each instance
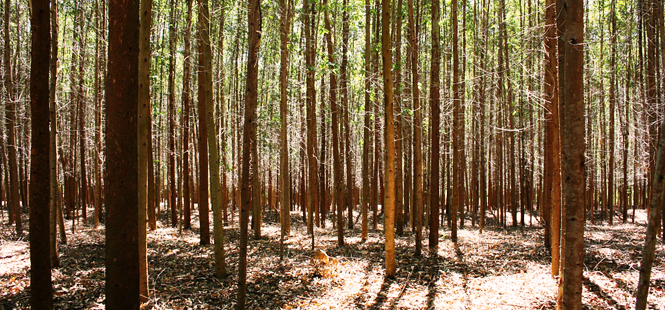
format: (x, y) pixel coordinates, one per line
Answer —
(460, 124)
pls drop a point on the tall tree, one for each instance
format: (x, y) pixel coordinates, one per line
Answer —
(458, 131)
(11, 128)
(100, 26)
(435, 117)
(417, 133)
(41, 291)
(205, 93)
(171, 148)
(122, 258)
(658, 176)
(204, 204)
(552, 186)
(81, 102)
(144, 134)
(284, 185)
(570, 21)
(612, 99)
(186, 101)
(337, 165)
(389, 207)
(366, 131)
(53, 151)
(350, 183)
(249, 138)
(310, 63)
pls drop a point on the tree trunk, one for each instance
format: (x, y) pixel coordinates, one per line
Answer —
(285, 194)
(144, 133)
(83, 193)
(249, 135)
(350, 182)
(571, 42)
(204, 204)
(41, 291)
(435, 119)
(389, 207)
(53, 150)
(417, 134)
(366, 131)
(310, 60)
(11, 129)
(186, 101)
(458, 133)
(122, 259)
(550, 152)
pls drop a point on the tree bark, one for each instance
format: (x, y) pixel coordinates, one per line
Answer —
(53, 150)
(249, 135)
(389, 207)
(435, 119)
(11, 129)
(310, 62)
(417, 134)
(571, 42)
(122, 259)
(284, 192)
(186, 101)
(144, 133)
(41, 291)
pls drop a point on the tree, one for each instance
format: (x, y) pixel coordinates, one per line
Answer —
(122, 258)
(552, 178)
(249, 138)
(366, 131)
(658, 176)
(186, 89)
(284, 185)
(53, 150)
(337, 166)
(171, 151)
(389, 207)
(350, 183)
(11, 130)
(571, 72)
(458, 132)
(434, 119)
(417, 134)
(41, 291)
(204, 205)
(310, 62)
(205, 94)
(144, 134)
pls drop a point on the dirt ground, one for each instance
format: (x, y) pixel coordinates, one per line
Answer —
(498, 269)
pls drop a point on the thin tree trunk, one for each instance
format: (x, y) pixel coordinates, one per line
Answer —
(435, 119)
(144, 132)
(350, 182)
(285, 194)
(204, 204)
(417, 134)
(11, 128)
(53, 150)
(310, 56)
(389, 207)
(249, 135)
(186, 101)
(366, 131)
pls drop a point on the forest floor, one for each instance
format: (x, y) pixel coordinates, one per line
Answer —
(498, 269)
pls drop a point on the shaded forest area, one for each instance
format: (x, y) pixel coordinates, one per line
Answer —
(340, 154)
